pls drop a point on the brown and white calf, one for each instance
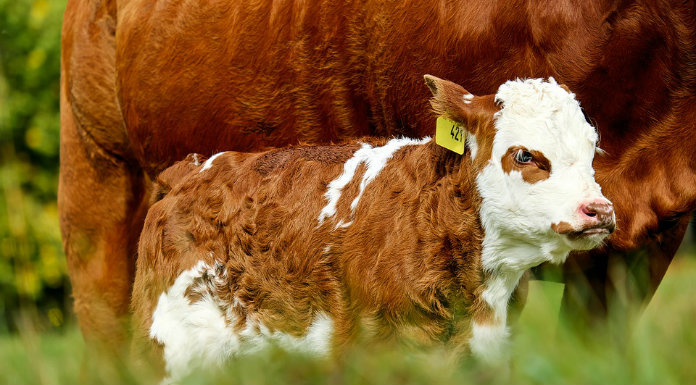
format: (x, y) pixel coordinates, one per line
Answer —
(312, 247)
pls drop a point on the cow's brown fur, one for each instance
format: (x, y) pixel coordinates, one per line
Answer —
(145, 83)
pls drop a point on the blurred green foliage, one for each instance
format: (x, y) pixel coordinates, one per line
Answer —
(661, 351)
(32, 264)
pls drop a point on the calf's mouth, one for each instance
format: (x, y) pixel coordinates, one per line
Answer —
(605, 228)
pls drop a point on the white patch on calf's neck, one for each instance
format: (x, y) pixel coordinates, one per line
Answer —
(209, 163)
(374, 158)
(199, 333)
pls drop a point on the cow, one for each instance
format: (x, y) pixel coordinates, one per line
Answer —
(146, 83)
(313, 247)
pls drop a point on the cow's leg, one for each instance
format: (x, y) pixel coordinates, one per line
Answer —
(101, 192)
(101, 208)
(610, 289)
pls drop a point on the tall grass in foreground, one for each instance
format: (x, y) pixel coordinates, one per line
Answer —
(661, 351)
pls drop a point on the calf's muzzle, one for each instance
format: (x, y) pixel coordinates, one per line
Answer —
(598, 216)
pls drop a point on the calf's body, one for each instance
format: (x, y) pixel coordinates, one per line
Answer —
(314, 247)
(402, 262)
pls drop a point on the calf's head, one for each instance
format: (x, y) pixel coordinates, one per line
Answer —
(532, 149)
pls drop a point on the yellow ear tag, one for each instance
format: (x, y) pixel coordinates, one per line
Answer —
(450, 135)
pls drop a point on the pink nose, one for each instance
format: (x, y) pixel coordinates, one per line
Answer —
(598, 214)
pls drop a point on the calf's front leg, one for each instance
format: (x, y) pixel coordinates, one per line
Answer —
(489, 330)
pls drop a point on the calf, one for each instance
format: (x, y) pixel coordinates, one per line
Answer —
(312, 247)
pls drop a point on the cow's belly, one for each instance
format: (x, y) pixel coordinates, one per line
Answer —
(250, 84)
(245, 75)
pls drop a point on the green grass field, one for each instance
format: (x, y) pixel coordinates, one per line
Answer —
(661, 351)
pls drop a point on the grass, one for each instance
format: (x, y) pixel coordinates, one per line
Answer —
(661, 351)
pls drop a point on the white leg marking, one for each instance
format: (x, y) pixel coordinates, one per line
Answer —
(498, 290)
(198, 334)
(209, 163)
(489, 341)
(375, 158)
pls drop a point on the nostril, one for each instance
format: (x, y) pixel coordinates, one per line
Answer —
(589, 211)
(602, 211)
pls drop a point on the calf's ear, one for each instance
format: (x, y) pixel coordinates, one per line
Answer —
(474, 113)
(449, 99)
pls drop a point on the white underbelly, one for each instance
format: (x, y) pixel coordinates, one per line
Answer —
(200, 334)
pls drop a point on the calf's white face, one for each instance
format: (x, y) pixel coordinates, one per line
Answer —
(533, 149)
(539, 183)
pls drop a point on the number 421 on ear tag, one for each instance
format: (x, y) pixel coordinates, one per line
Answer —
(450, 135)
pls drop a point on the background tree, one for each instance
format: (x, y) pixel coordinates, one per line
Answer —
(32, 264)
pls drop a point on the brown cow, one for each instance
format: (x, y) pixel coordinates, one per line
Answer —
(313, 247)
(145, 83)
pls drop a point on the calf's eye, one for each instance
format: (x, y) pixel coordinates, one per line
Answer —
(522, 156)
